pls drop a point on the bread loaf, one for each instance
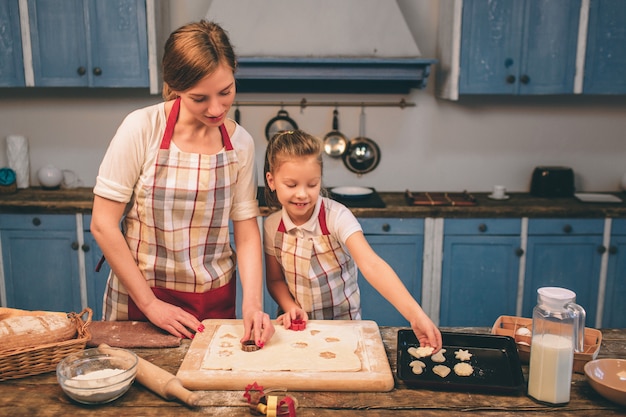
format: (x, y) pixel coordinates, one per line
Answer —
(23, 331)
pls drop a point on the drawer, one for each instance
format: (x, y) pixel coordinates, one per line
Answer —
(379, 226)
(482, 226)
(565, 226)
(38, 221)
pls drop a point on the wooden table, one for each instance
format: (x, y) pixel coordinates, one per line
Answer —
(42, 396)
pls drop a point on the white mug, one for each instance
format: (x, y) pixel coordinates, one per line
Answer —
(499, 191)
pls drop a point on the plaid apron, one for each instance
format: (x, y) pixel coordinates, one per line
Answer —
(321, 276)
(177, 231)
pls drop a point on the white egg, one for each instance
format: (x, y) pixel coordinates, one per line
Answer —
(523, 331)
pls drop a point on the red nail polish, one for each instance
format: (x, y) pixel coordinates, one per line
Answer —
(201, 328)
(192, 336)
(260, 344)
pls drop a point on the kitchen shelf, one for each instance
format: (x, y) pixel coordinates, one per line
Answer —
(331, 75)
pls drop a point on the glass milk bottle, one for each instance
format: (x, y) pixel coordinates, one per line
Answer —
(558, 331)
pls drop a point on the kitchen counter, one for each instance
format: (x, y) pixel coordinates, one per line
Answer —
(42, 396)
(80, 200)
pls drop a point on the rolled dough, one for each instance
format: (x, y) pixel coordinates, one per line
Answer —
(319, 348)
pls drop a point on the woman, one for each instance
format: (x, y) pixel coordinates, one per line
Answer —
(176, 173)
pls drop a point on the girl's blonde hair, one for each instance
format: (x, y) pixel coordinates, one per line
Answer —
(285, 146)
(191, 53)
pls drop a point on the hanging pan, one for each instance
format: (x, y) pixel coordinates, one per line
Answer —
(280, 123)
(335, 143)
(363, 154)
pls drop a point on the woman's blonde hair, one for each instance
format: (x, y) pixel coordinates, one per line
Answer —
(192, 52)
(285, 146)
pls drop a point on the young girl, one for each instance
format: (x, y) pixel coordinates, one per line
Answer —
(176, 173)
(314, 245)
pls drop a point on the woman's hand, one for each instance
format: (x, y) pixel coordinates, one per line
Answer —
(295, 313)
(257, 326)
(172, 319)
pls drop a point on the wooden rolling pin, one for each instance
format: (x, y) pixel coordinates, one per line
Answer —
(160, 381)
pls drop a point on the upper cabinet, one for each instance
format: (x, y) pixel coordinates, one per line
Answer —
(606, 48)
(508, 47)
(11, 68)
(89, 43)
(81, 43)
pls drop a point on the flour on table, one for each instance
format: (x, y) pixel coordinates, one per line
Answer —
(319, 347)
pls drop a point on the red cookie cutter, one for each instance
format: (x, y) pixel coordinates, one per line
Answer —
(297, 324)
(269, 405)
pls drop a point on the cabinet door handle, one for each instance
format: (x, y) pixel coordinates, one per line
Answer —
(74, 245)
(567, 228)
(524, 79)
(510, 79)
(36, 221)
(601, 249)
(386, 227)
(97, 71)
(519, 251)
(81, 70)
(86, 247)
(482, 227)
(612, 250)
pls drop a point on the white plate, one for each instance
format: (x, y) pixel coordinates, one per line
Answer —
(350, 191)
(597, 198)
(504, 197)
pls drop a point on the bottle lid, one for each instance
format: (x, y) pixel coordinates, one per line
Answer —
(555, 296)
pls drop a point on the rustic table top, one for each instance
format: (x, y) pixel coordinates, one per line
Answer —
(42, 396)
(80, 200)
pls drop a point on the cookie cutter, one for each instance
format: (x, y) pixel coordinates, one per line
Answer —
(297, 324)
(261, 402)
(249, 346)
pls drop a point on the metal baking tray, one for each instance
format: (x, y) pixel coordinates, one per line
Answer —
(495, 360)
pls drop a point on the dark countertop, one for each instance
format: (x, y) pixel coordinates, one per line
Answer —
(79, 200)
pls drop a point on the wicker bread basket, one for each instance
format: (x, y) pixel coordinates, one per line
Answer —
(509, 326)
(35, 360)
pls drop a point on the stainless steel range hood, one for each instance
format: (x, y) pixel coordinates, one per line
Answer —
(323, 46)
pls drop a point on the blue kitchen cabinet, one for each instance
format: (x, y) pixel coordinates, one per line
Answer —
(614, 314)
(400, 242)
(89, 43)
(507, 47)
(11, 60)
(564, 253)
(40, 261)
(606, 55)
(518, 47)
(96, 281)
(479, 280)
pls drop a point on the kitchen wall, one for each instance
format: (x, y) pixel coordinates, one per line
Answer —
(471, 144)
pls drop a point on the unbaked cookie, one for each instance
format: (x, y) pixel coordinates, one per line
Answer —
(420, 352)
(463, 369)
(438, 357)
(417, 366)
(441, 370)
(462, 355)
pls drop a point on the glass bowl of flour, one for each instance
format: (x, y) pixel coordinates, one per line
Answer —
(95, 376)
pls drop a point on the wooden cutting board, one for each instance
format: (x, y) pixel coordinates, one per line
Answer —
(374, 375)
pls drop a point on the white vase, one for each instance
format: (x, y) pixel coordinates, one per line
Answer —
(17, 155)
(50, 176)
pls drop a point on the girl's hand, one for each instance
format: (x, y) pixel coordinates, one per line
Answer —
(172, 319)
(295, 313)
(427, 333)
(257, 326)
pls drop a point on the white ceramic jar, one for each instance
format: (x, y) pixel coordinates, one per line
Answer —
(50, 176)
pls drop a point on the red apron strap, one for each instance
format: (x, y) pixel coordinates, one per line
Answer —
(226, 138)
(171, 122)
(281, 227)
(322, 219)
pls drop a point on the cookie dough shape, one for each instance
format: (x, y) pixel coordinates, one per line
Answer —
(417, 367)
(438, 357)
(420, 352)
(463, 355)
(441, 370)
(463, 369)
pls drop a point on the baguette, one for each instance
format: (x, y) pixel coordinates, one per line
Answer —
(23, 331)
